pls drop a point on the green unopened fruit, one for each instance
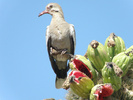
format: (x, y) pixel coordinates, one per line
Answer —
(112, 74)
(114, 45)
(130, 51)
(100, 91)
(123, 60)
(82, 64)
(97, 55)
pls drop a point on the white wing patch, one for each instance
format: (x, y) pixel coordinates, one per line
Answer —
(47, 34)
(72, 33)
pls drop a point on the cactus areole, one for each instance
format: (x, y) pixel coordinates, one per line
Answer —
(103, 91)
(79, 65)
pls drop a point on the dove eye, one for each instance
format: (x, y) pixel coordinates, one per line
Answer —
(51, 6)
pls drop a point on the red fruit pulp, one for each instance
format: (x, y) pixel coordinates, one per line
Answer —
(82, 67)
(77, 74)
(104, 91)
(107, 90)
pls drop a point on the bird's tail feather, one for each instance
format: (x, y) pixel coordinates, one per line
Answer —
(61, 73)
(62, 69)
(59, 82)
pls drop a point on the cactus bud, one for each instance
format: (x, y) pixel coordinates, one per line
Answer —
(112, 74)
(123, 60)
(130, 50)
(114, 45)
(97, 55)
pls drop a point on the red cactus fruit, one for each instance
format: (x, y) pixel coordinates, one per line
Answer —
(80, 83)
(79, 65)
(100, 91)
(77, 75)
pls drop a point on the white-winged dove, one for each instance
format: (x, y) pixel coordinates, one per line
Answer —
(60, 41)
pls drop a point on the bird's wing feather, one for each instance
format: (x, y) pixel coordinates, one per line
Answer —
(48, 43)
(47, 34)
(72, 39)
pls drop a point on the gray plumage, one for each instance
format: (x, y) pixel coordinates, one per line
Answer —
(60, 37)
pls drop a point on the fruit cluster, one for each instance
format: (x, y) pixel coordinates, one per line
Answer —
(103, 71)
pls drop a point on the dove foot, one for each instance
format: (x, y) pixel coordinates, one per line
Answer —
(57, 51)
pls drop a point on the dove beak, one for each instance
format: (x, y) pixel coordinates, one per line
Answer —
(44, 12)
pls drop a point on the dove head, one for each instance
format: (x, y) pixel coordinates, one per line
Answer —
(52, 9)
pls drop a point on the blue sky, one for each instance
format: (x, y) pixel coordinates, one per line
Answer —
(25, 70)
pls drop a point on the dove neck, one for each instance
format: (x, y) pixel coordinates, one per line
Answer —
(57, 18)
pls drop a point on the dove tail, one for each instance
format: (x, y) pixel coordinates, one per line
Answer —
(59, 82)
(61, 73)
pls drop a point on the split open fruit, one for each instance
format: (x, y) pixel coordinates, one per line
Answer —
(84, 65)
(80, 83)
(100, 91)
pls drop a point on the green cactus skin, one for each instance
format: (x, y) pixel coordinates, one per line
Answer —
(82, 64)
(130, 50)
(101, 90)
(114, 45)
(109, 76)
(97, 55)
(123, 60)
